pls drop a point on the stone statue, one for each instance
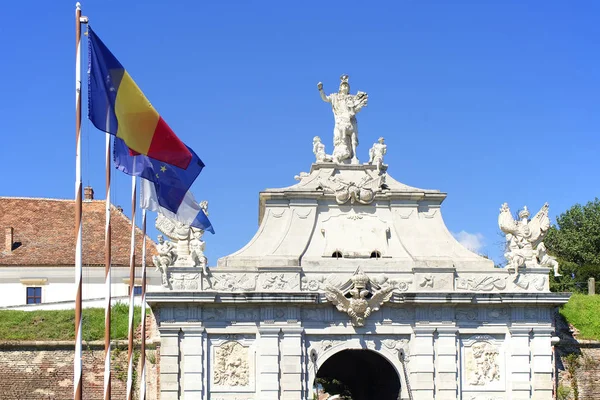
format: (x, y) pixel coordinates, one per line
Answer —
(197, 246)
(523, 236)
(363, 299)
(345, 107)
(376, 154)
(165, 258)
(189, 246)
(546, 260)
(319, 150)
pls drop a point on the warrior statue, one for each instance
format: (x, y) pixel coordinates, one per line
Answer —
(345, 133)
(523, 236)
(165, 258)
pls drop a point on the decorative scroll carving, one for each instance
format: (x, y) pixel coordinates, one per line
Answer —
(231, 365)
(361, 299)
(486, 283)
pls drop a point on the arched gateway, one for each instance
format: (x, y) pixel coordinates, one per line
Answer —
(366, 374)
(354, 274)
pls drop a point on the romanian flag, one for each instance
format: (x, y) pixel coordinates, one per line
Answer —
(116, 105)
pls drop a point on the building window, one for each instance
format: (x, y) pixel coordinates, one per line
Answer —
(137, 290)
(34, 295)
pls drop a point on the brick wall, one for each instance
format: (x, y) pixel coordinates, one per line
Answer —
(46, 372)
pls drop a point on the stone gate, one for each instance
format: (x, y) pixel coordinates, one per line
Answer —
(353, 275)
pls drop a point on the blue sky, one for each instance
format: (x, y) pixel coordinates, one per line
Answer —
(489, 101)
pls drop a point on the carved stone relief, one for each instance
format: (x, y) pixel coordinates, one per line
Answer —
(485, 283)
(497, 313)
(243, 314)
(231, 282)
(231, 365)
(361, 299)
(185, 281)
(466, 314)
(214, 314)
(525, 282)
(482, 361)
(313, 283)
(278, 281)
(314, 314)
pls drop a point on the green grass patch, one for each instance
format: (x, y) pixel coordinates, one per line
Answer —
(583, 312)
(60, 324)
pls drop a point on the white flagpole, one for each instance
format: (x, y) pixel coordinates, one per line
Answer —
(131, 290)
(77, 362)
(143, 304)
(107, 271)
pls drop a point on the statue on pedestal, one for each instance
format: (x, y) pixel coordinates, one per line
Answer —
(524, 238)
(187, 249)
(376, 154)
(345, 107)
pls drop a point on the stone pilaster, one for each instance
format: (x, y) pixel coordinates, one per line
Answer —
(268, 363)
(291, 363)
(520, 363)
(169, 363)
(446, 364)
(421, 363)
(542, 363)
(192, 356)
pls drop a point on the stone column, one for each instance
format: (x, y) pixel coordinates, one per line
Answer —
(169, 363)
(446, 364)
(268, 363)
(192, 358)
(291, 363)
(520, 365)
(542, 365)
(421, 363)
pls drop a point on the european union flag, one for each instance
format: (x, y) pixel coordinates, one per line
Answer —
(171, 183)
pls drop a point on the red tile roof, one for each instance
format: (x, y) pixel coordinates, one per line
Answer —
(44, 233)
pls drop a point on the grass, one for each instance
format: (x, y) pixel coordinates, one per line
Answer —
(582, 311)
(60, 324)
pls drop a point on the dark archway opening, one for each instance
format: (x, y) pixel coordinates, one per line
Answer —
(366, 374)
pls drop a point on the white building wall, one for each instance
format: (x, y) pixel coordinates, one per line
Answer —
(58, 283)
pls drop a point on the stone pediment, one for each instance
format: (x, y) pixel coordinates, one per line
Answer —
(347, 214)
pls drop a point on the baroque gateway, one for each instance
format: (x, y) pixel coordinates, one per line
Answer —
(353, 276)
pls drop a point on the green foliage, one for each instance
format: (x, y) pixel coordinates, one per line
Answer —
(60, 324)
(334, 386)
(582, 312)
(575, 242)
(563, 393)
(576, 236)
